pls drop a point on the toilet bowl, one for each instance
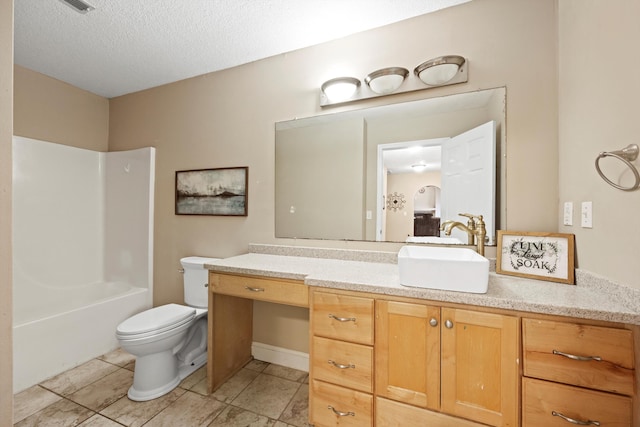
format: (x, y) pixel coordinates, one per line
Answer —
(169, 341)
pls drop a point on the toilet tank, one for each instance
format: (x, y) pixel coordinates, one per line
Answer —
(196, 279)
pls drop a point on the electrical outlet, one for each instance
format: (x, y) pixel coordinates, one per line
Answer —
(586, 216)
(567, 218)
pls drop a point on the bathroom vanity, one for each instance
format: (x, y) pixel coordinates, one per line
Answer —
(526, 353)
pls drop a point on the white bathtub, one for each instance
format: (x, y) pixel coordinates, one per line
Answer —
(69, 327)
(82, 252)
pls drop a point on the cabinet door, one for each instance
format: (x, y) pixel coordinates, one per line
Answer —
(407, 353)
(480, 366)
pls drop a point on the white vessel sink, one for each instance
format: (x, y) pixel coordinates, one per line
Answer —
(450, 269)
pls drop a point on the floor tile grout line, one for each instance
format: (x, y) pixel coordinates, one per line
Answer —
(283, 378)
(109, 418)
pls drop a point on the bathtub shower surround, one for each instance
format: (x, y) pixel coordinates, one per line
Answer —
(82, 252)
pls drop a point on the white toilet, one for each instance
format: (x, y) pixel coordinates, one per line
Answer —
(169, 341)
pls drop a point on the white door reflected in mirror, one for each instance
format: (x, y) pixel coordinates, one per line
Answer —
(465, 174)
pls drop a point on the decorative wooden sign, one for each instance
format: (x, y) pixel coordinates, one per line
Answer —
(543, 256)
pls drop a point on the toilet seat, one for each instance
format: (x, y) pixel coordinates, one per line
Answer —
(155, 321)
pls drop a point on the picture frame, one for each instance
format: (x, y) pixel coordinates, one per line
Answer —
(220, 191)
(534, 255)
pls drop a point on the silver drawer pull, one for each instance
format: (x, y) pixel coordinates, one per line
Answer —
(342, 319)
(249, 288)
(576, 422)
(341, 366)
(341, 414)
(580, 358)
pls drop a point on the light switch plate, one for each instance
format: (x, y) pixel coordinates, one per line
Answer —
(586, 215)
(567, 218)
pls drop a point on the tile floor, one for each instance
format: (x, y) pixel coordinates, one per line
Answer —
(95, 395)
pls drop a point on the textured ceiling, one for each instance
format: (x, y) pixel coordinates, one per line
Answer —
(124, 46)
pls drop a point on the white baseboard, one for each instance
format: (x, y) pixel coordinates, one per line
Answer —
(280, 356)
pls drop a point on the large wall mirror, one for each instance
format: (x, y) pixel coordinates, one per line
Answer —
(361, 174)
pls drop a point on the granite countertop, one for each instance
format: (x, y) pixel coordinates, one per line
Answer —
(592, 297)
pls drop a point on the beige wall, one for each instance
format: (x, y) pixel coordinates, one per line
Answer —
(598, 111)
(6, 131)
(51, 110)
(227, 119)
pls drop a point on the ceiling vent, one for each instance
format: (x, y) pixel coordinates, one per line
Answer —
(78, 5)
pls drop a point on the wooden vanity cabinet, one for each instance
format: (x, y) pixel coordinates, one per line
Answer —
(577, 374)
(459, 362)
(393, 361)
(230, 319)
(431, 365)
(341, 366)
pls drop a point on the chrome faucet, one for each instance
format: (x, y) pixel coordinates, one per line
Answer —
(475, 230)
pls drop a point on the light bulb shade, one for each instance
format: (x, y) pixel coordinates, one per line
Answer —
(386, 80)
(440, 71)
(341, 88)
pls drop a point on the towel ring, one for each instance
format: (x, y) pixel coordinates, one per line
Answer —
(626, 155)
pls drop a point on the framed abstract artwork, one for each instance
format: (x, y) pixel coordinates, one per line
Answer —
(221, 191)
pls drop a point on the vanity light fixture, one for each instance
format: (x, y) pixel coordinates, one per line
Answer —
(340, 88)
(442, 70)
(386, 80)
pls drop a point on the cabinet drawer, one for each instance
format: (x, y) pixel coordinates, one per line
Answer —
(343, 317)
(347, 364)
(396, 414)
(264, 289)
(542, 399)
(337, 406)
(544, 341)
